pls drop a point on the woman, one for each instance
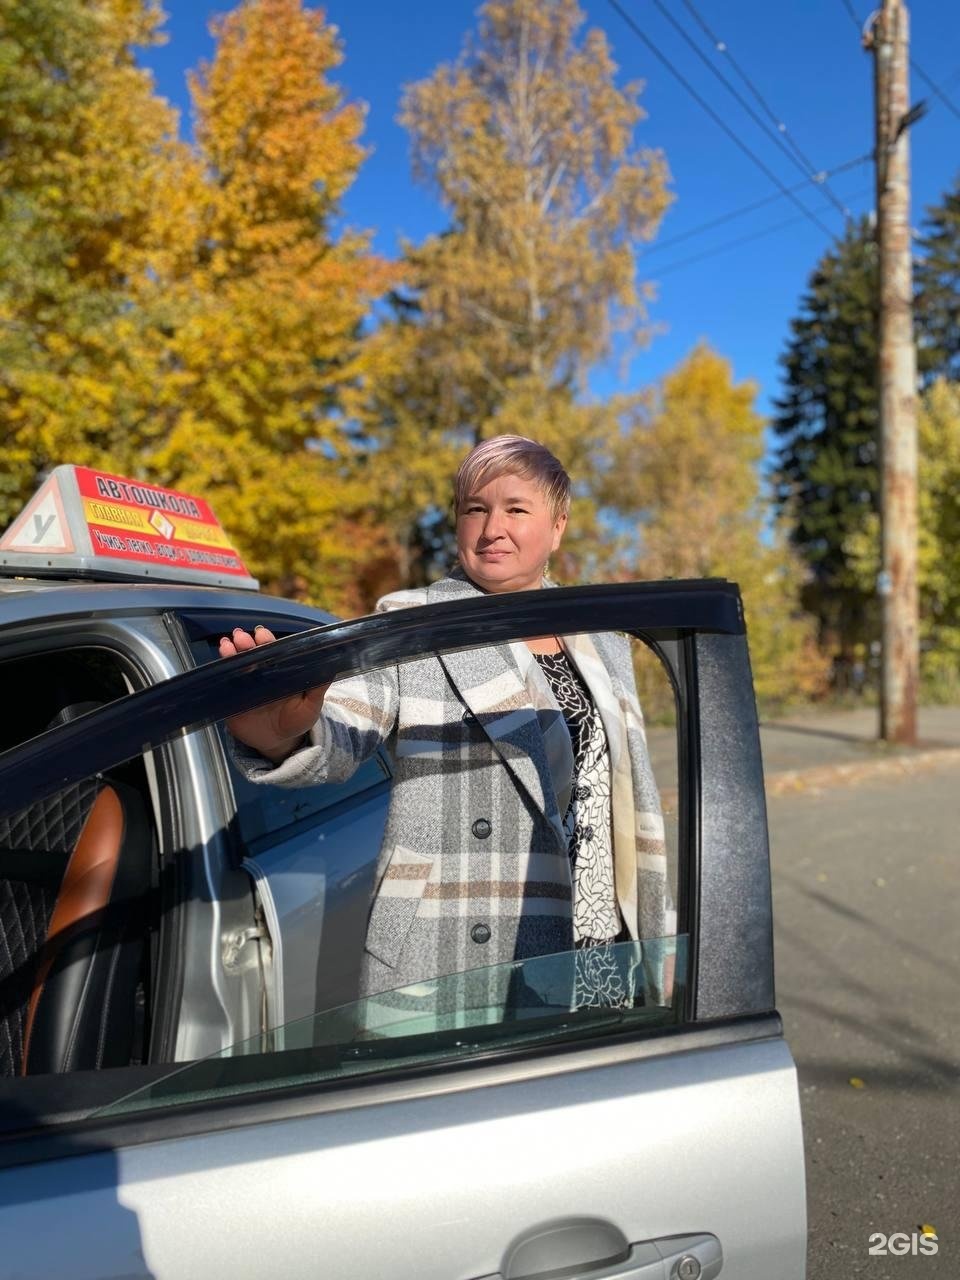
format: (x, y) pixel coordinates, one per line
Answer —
(524, 818)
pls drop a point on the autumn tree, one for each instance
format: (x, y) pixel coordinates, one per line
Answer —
(528, 142)
(687, 472)
(939, 538)
(266, 311)
(84, 143)
(187, 313)
(938, 582)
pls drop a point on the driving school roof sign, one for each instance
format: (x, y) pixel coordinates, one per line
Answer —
(86, 523)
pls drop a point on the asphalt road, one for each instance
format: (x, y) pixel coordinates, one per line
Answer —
(867, 913)
(814, 739)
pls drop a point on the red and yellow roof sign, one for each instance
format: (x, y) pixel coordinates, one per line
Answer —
(91, 523)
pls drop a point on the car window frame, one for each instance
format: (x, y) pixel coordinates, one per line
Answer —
(144, 720)
(699, 630)
(684, 618)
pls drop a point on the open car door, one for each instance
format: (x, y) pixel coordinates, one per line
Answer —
(643, 1138)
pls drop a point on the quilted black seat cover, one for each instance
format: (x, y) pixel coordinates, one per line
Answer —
(25, 907)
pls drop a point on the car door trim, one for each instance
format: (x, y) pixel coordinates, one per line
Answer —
(507, 1066)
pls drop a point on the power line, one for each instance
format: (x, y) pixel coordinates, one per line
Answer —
(754, 205)
(729, 244)
(772, 134)
(782, 134)
(717, 119)
(934, 88)
(742, 240)
(853, 14)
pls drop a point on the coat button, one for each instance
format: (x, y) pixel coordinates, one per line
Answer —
(481, 829)
(480, 933)
(588, 833)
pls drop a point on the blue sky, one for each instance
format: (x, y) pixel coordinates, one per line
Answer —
(803, 55)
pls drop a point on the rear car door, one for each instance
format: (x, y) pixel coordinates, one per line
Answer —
(650, 1137)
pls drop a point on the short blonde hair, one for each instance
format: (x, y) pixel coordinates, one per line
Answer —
(514, 456)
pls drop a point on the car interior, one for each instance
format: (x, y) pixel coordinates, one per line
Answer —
(80, 907)
(78, 888)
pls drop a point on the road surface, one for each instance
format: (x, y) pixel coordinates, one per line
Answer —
(867, 914)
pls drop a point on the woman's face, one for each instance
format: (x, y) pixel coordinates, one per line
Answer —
(505, 534)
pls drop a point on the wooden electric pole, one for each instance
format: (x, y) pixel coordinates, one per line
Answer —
(888, 40)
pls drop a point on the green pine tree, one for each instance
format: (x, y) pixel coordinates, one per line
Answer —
(827, 476)
(937, 278)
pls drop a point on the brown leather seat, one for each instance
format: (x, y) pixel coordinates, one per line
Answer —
(81, 1012)
(74, 950)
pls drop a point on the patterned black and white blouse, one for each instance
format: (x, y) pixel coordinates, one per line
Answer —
(596, 916)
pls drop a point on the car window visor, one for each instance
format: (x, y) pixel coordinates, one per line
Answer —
(144, 720)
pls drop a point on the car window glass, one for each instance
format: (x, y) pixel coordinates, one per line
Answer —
(46, 870)
(553, 998)
(658, 703)
(530, 812)
(409, 865)
(265, 813)
(44, 689)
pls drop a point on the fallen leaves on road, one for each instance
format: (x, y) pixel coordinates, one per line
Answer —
(791, 781)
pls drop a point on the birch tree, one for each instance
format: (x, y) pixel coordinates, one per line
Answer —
(529, 142)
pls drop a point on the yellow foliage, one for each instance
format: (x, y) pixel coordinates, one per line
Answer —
(280, 144)
(78, 195)
(938, 537)
(306, 532)
(529, 143)
(199, 323)
(939, 520)
(263, 320)
(686, 470)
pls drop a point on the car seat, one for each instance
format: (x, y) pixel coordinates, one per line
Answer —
(75, 877)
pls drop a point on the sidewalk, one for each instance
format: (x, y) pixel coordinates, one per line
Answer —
(820, 748)
(838, 747)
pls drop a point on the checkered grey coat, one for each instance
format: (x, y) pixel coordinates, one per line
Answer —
(474, 868)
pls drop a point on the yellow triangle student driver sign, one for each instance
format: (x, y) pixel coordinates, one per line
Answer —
(83, 523)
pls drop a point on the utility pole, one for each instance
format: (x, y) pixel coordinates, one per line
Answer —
(888, 39)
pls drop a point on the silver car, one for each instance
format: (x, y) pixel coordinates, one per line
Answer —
(190, 1086)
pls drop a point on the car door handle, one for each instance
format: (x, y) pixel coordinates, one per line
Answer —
(557, 1249)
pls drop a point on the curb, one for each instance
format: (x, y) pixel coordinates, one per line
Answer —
(794, 781)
